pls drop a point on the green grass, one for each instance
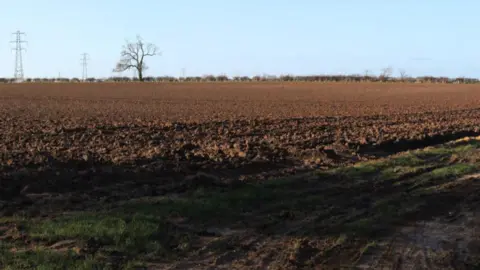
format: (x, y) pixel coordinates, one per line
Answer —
(43, 259)
(132, 237)
(453, 170)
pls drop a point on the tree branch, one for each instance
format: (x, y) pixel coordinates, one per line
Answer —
(123, 67)
(130, 51)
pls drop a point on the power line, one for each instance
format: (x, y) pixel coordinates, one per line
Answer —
(84, 66)
(19, 75)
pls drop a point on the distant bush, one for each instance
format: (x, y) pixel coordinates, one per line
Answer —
(258, 78)
(287, 78)
(166, 79)
(194, 79)
(149, 79)
(118, 79)
(63, 80)
(242, 79)
(209, 78)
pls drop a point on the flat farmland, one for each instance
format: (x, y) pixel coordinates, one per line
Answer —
(250, 175)
(234, 130)
(206, 102)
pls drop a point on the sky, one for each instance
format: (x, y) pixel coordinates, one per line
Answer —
(246, 37)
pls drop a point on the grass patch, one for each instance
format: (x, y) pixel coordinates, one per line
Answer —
(12, 219)
(43, 259)
(453, 170)
(442, 175)
(114, 233)
(408, 159)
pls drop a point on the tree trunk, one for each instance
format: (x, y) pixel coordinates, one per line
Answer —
(140, 74)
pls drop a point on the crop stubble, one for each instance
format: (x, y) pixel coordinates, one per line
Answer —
(246, 131)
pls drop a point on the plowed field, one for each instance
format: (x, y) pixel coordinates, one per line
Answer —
(235, 130)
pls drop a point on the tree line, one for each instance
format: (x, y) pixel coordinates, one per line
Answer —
(263, 78)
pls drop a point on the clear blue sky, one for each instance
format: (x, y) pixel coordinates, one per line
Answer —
(247, 37)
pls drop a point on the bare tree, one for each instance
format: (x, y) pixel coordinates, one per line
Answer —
(133, 56)
(403, 74)
(386, 73)
(366, 75)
